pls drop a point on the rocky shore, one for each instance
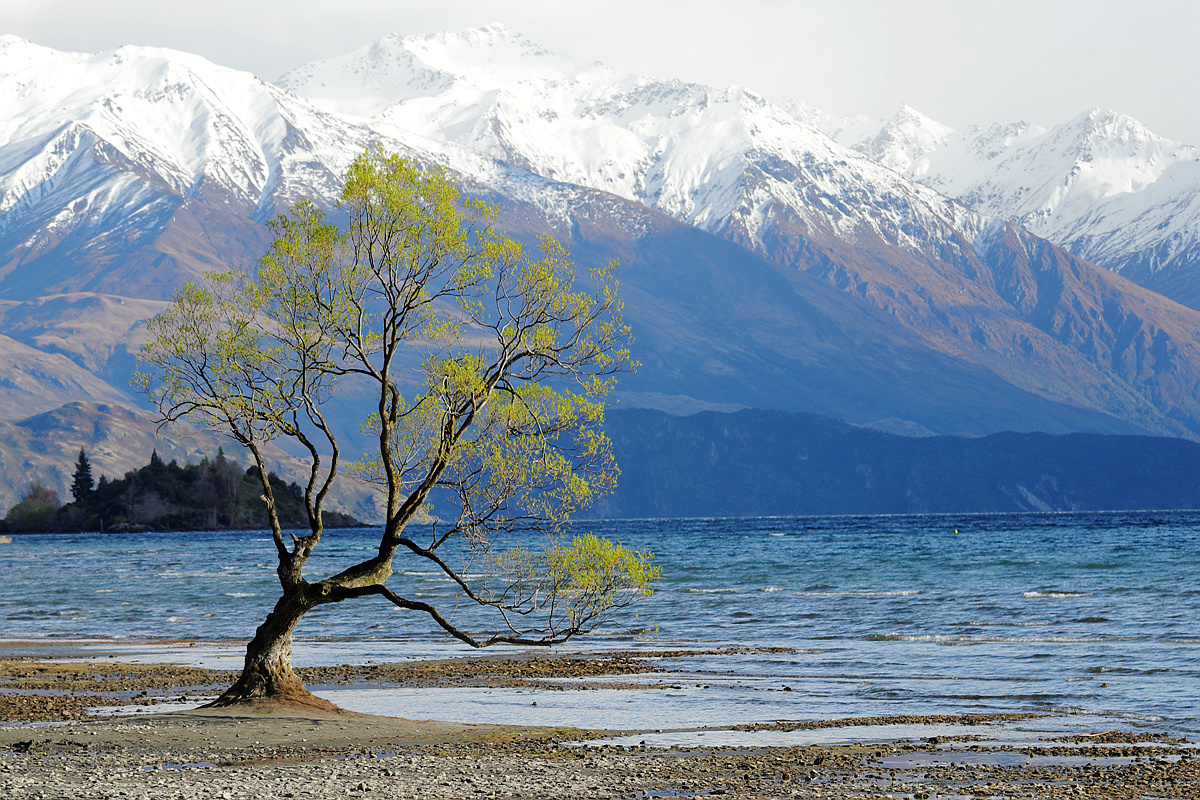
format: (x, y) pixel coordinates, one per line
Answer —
(273, 752)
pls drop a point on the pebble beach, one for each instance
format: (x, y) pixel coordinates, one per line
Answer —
(53, 745)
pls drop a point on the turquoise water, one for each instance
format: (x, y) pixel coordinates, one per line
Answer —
(1090, 615)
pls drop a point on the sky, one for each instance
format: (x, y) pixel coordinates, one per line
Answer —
(961, 62)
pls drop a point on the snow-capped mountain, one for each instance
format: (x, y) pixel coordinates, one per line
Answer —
(763, 263)
(1100, 185)
(733, 164)
(197, 126)
(155, 155)
(708, 157)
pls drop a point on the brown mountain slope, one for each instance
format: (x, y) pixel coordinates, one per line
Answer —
(1019, 307)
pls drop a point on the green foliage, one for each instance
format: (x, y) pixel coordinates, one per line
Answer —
(592, 577)
(487, 363)
(36, 513)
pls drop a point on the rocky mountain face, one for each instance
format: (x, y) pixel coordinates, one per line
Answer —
(763, 263)
(1101, 185)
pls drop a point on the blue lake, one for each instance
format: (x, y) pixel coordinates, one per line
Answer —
(1087, 616)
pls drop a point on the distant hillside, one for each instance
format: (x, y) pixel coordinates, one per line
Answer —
(753, 463)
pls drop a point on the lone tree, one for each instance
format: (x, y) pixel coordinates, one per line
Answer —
(82, 483)
(486, 366)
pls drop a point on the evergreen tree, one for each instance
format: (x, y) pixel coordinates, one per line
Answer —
(82, 483)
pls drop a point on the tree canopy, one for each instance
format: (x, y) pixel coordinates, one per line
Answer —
(37, 511)
(487, 364)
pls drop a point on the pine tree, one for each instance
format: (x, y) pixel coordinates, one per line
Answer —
(82, 483)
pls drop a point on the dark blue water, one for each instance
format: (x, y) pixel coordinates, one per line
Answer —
(1091, 614)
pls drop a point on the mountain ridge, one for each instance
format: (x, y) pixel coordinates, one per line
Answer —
(768, 265)
(1101, 185)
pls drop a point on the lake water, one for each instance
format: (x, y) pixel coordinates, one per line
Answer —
(1093, 618)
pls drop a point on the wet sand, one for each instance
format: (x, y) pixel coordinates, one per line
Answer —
(271, 752)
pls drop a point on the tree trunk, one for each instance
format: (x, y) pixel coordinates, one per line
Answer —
(267, 676)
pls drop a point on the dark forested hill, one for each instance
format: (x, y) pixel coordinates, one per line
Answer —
(212, 495)
(754, 462)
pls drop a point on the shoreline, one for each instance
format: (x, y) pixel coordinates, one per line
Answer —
(281, 752)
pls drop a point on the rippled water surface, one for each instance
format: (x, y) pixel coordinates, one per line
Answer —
(1096, 615)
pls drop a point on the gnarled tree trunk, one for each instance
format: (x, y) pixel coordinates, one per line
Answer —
(267, 675)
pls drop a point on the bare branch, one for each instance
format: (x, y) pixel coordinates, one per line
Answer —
(486, 364)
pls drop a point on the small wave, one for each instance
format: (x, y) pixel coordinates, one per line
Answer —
(966, 640)
(901, 593)
(105, 591)
(771, 589)
(1054, 595)
(1106, 712)
(1139, 717)
(179, 619)
(691, 590)
(241, 594)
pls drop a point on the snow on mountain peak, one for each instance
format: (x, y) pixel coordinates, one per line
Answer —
(714, 158)
(192, 117)
(10, 42)
(1101, 184)
(725, 160)
(169, 126)
(1104, 123)
(397, 69)
(17, 54)
(489, 56)
(905, 138)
